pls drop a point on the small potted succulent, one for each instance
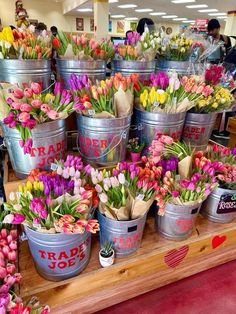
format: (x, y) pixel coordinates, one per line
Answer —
(135, 149)
(107, 255)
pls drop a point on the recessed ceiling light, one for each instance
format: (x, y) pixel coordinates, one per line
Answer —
(157, 13)
(208, 10)
(169, 16)
(144, 10)
(180, 19)
(117, 16)
(195, 6)
(131, 18)
(189, 21)
(183, 1)
(216, 14)
(85, 10)
(113, 1)
(127, 6)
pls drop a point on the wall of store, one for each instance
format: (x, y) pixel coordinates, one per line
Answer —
(50, 13)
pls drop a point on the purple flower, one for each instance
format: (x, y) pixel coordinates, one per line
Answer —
(57, 88)
(184, 183)
(78, 106)
(9, 118)
(31, 123)
(233, 151)
(160, 80)
(175, 193)
(4, 300)
(10, 101)
(36, 221)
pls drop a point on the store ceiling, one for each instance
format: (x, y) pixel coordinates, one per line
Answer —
(165, 6)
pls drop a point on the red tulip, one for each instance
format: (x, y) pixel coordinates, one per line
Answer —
(3, 272)
(36, 88)
(18, 93)
(4, 233)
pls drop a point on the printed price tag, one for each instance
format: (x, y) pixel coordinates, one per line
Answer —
(140, 197)
(227, 204)
(91, 112)
(156, 104)
(54, 166)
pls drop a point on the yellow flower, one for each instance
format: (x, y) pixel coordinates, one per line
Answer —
(20, 188)
(49, 98)
(29, 186)
(215, 105)
(182, 50)
(201, 103)
(7, 35)
(103, 83)
(41, 186)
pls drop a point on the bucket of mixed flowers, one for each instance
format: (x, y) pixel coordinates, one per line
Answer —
(103, 117)
(56, 211)
(221, 205)
(33, 124)
(137, 55)
(81, 55)
(162, 106)
(184, 185)
(125, 195)
(25, 56)
(214, 98)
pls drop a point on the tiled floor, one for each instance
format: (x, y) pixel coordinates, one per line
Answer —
(210, 292)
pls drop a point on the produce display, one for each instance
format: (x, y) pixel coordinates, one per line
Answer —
(111, 179)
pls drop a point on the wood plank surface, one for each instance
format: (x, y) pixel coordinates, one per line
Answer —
(96, 288)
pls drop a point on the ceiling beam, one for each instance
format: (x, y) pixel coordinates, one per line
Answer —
(69, 5)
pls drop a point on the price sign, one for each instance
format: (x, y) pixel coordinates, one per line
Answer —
(227, 204)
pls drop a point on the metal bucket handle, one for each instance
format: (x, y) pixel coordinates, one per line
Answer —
(132, 229)
(122, 135)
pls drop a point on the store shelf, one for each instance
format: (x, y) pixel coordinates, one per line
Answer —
(98, 288)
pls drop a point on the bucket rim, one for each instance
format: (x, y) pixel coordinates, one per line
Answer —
(219, 189)
(26, 60)
(186, 206)
(161, 113)
(80, 61)
(203, 113)
(121, 221)
(134, 61)
(107, 119)
(57, 234)
(38, 125)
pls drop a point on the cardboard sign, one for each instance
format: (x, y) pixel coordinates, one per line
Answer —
(227, 204)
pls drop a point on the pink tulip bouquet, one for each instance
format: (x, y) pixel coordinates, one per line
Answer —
(24, 109)
(54, 202)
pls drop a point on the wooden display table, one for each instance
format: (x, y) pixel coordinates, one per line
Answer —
(157, 263)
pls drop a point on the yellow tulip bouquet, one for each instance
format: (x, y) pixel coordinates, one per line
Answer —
(178, 48)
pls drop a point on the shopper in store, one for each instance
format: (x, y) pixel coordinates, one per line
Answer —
(213, 29)
(145, 22)
(54, 31)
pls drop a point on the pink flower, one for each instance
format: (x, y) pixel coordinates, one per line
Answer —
(25, 108)
(24, 116)
(11, 268)
(3, 272)
(16, 105)
(14, 234)
(45, 108)
(207, 90)
(18, 219)
(165, 139)
(36, 88)
(18, 93)
(175, 193)
(92, 226)
(36, 103)
(13, 245)
(28, 92)
(4, 233)
(12, 256)
(31, 123)
(53, 114)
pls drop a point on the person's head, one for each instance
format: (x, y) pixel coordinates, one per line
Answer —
(41, 27)
(12, 27)
(213, 28)
(142, 23)
(53, 30)
(19, 4)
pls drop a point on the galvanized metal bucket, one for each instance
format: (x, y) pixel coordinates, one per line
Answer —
(25, 71)
(59, 256)
(96, 70)
(198, 128)
(103, 141)
(178, 221)
(220, 206)
(48, 144)
(152, 124)
(126, 236)
(127, 67)
(180, 67)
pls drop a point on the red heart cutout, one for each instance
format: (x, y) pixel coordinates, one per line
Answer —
(174, 257)
(218, 240)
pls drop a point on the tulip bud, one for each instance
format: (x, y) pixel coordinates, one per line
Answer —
(9, 280)
(4, 233)
(9, 238)
(13, 233)
(3, 272)
(3, 242)
(11, 256)
(11, 268)
(5, 250)
(13, 245)
(2, 262)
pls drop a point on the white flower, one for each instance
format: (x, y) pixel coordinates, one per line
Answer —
(145, 45)
(7, 45)
(77, 174)
(72, 171)
(12, 196)
(8, 219)
(158, 40)
(78, 183)
(121, 178)
(94, 180)
(17, 207)
(59, 170)
(31, 28)
(103, 198)
(1, 55)
(105, 186)
(114, 182)
(98, 188)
